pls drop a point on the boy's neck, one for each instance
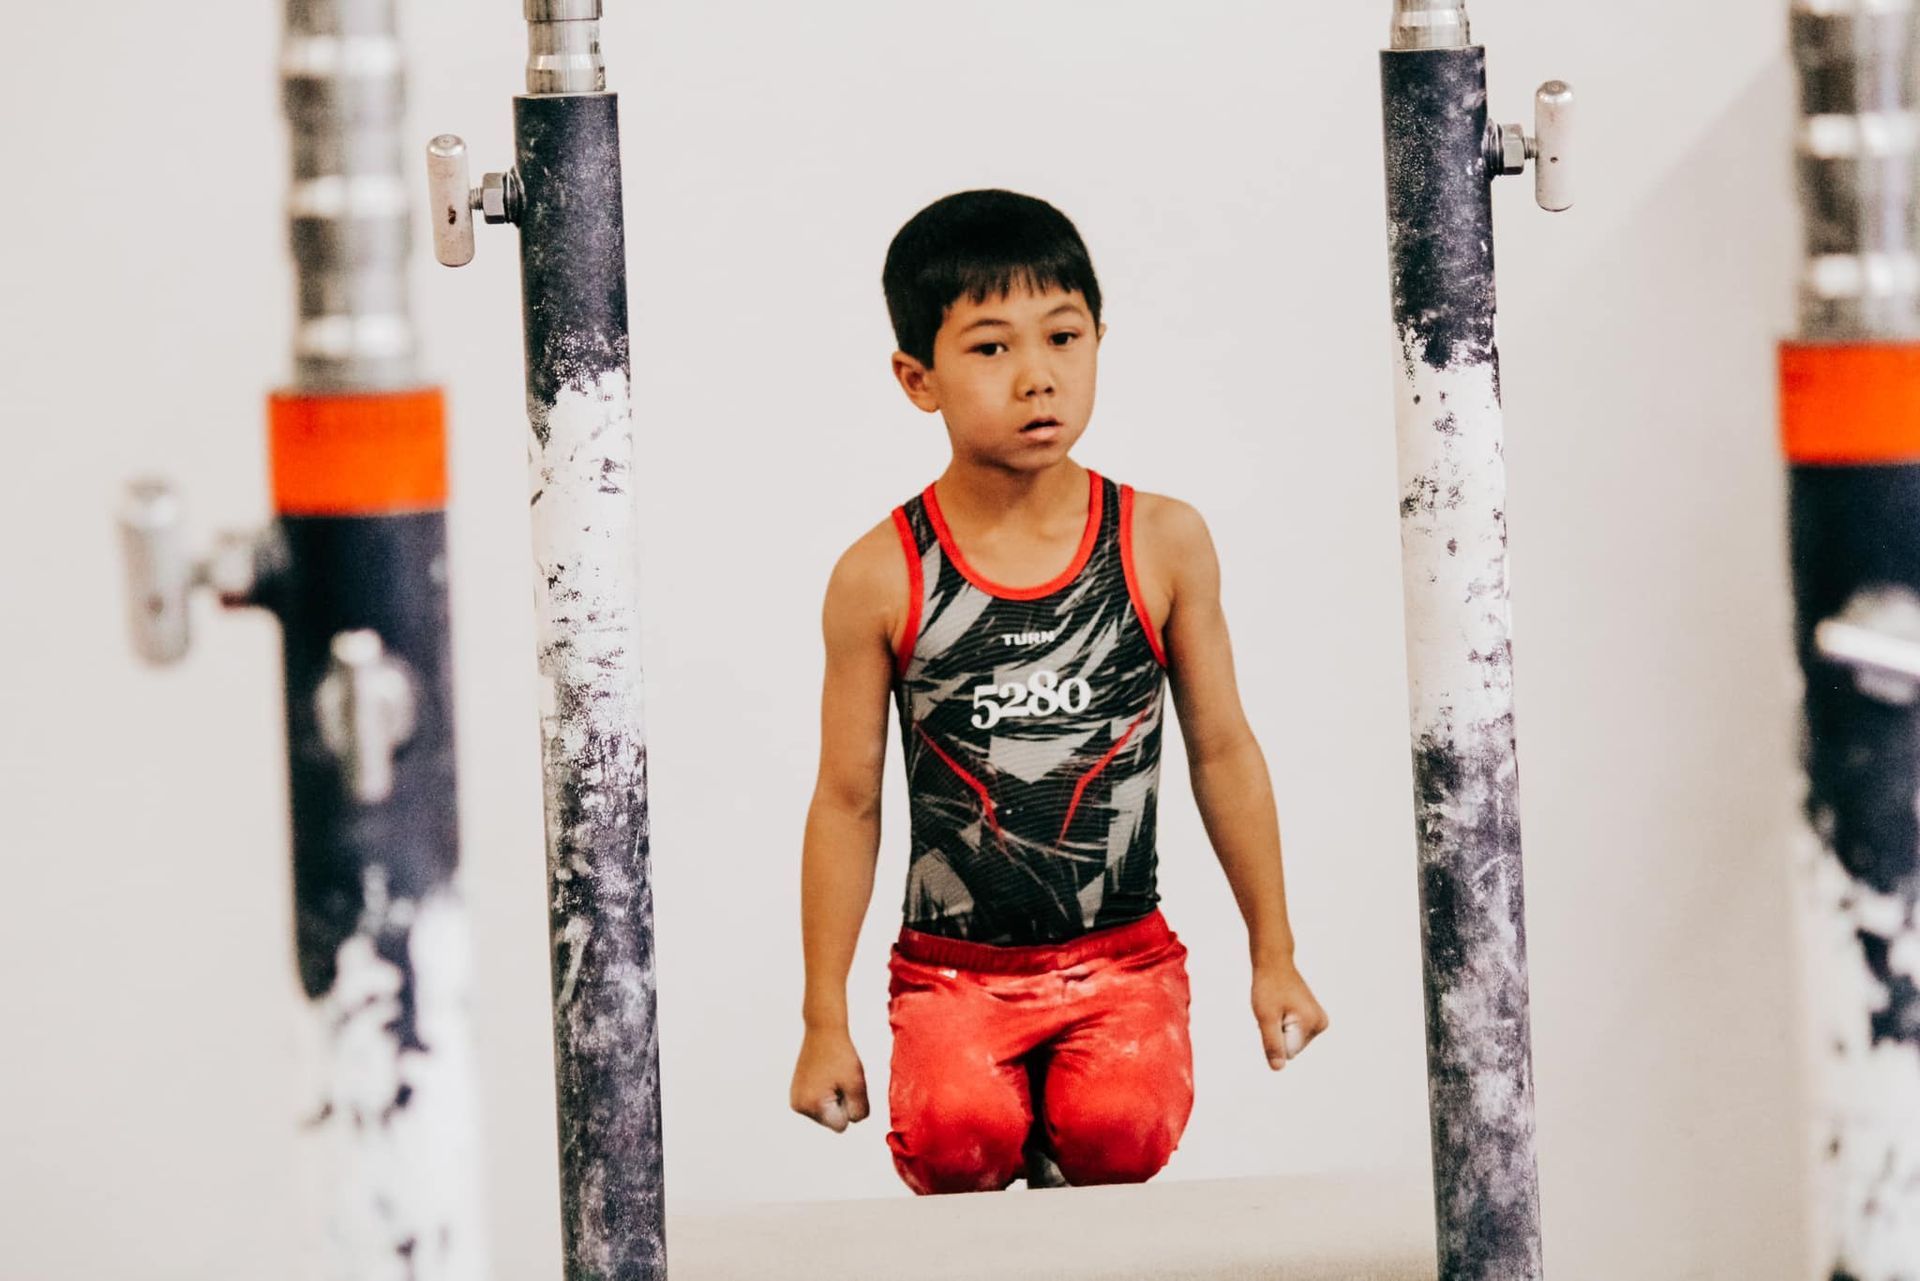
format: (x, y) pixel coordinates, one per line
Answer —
(987, 496)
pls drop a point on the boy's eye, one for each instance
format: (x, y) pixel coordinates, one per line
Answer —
(1065, 336)
(989, 348)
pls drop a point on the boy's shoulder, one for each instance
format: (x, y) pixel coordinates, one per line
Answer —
(1167, 522)
(876, 550)
(1172, 548)
(870, 576)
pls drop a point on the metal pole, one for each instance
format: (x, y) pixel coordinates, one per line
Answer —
(1441, 158)
(565, 195)
(355, 568)
(1850, 392)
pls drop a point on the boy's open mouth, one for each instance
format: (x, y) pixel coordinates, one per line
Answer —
(1039, 423)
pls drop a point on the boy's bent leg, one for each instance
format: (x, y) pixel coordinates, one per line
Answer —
(1120, 1085)
(958, 1099)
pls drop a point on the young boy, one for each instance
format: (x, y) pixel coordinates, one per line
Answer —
(1038, 999)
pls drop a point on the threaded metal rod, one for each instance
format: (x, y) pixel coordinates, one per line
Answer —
(1857, 145)
(1430, 24)
(344, 93)
(563, 47)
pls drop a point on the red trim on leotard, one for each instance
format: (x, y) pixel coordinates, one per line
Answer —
(1095, 500)
(1133, 579)
(916, 590)
(987, 807)
(1080, 788)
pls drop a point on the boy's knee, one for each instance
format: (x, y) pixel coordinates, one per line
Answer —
(959, 1148)
(1113, 1145)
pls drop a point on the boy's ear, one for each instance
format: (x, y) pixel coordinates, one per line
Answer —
(1100, 331)
(917, 381)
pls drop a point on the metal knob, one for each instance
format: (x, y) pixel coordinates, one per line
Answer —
(497, 199)
(450, 196)
(1877, 638)
(160, 571)
(1509, 147)
(365, 708)
(163, 571)
(1552, 138)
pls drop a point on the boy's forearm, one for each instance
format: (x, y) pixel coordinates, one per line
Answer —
(1234, 794)
(836, 885)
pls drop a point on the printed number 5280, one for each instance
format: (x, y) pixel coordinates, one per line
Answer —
(1043, 694)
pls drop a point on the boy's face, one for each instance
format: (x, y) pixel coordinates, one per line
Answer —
(1013, 376)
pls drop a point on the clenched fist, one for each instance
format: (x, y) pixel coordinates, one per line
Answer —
(829, 1084)
(1287, 1012)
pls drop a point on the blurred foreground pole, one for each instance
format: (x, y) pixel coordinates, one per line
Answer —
(564, 193)
(1850, 409)
(355, 568)
(1441, 157)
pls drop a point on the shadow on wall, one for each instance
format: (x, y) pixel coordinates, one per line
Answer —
(1658, 715)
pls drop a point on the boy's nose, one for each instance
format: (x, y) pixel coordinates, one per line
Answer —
(1036, 381)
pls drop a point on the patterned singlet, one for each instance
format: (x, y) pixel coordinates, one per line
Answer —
(1031, 722)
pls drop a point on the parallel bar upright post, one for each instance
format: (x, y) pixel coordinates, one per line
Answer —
(1850, 389)
(564, 192)
(360, 586)
(579, 401)
(354, 567)
(1459, 655)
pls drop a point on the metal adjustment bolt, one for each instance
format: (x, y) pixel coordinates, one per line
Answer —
(1877, 638)
(1509, 148)
(235, 568)
(498, 197)
(454, 200)
(162, 572)
(365, 708)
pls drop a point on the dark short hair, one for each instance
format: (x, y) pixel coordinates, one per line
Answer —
(979, 245)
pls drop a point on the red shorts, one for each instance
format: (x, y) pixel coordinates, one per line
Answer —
(1088, 1038)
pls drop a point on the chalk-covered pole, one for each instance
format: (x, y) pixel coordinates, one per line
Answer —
(354, 566)
(564, 192)
(360, 486)
(1441, 158)
(1850, 404)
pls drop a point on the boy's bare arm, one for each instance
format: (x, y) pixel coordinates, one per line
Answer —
(1231, 785)
(865, 598)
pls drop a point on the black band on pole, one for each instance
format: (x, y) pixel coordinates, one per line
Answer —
(386, 574)
(1440, 201)
(573, 247)
(1854, 529)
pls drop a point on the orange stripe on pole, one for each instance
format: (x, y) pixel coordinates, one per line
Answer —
(1858, 403)
(359, 455)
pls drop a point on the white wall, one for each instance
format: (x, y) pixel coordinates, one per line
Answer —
(1224, 166)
